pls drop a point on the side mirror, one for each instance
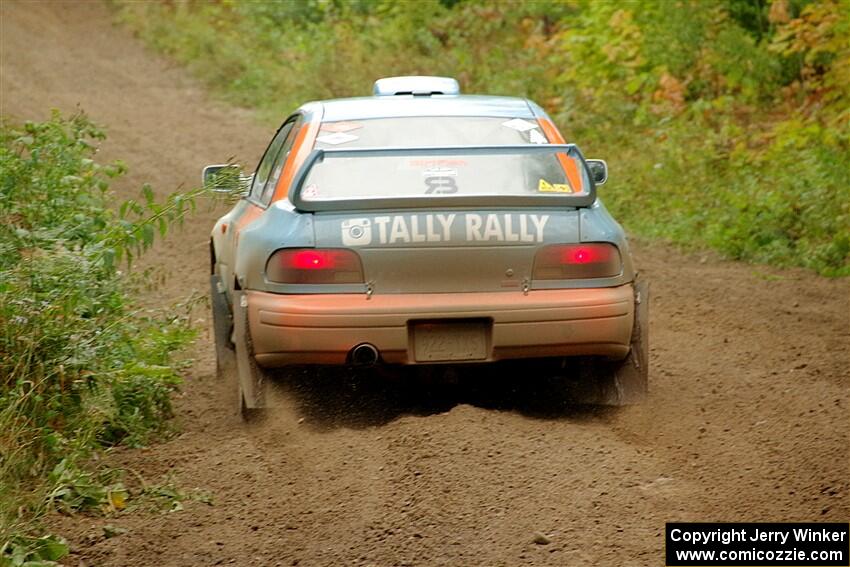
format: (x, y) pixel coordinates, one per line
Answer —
(225, 178)
(598, 170)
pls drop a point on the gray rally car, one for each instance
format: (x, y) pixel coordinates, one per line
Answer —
(420, 226)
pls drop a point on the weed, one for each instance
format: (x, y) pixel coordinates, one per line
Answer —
(24, 551)
(80, 367)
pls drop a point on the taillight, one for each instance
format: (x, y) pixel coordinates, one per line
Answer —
(577, 261)
(314, 266)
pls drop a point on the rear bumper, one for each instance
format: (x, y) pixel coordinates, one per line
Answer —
(323, 328)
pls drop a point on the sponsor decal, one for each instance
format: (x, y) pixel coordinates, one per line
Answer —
(336, 138)
(440, 180)
(310, 192)
(438, 171)
(341, 126)
(356, 232)
(519, 125)
(437, 162)
(449, 227)
(545, 187)
(535, 137)
(440, 185)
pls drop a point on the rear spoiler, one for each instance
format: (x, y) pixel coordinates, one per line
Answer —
(440, 201)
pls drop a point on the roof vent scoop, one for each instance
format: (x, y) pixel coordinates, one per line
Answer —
(417, 86)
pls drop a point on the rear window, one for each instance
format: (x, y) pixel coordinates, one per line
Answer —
(454, 172)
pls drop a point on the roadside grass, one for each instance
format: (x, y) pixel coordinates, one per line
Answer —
(726, 123)
(82, 368)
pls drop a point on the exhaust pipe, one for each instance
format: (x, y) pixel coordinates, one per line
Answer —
(364, 354)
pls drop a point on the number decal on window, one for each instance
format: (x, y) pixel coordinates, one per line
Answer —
(441, 185)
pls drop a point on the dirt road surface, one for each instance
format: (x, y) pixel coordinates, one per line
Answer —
(747, 419)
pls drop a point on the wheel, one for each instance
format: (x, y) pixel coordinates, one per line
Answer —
(621, 382)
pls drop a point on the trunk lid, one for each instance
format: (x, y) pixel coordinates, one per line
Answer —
(440, 251)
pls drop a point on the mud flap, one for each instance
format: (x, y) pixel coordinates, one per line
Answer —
(623, 382)
(222, 327)
(631, 377)
(252, 380)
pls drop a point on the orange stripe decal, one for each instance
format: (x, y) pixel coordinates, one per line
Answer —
(570, 167)
(300, 150)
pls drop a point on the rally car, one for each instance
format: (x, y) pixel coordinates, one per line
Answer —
(420, 226)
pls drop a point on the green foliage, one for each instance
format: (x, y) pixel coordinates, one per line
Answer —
(717, 143)
(24, 551)
(80, 367)
(73, 489)
(726, 122)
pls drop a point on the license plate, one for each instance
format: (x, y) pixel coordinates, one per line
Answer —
(440, 342)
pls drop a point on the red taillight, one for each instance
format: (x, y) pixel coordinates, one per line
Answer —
(314, 266)
(310, 260)
(577, 261)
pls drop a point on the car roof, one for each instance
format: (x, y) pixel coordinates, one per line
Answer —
(399, 106)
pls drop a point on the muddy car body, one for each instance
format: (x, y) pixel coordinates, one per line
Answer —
(420, 227)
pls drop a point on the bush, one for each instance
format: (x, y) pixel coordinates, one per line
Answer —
(80, 367)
